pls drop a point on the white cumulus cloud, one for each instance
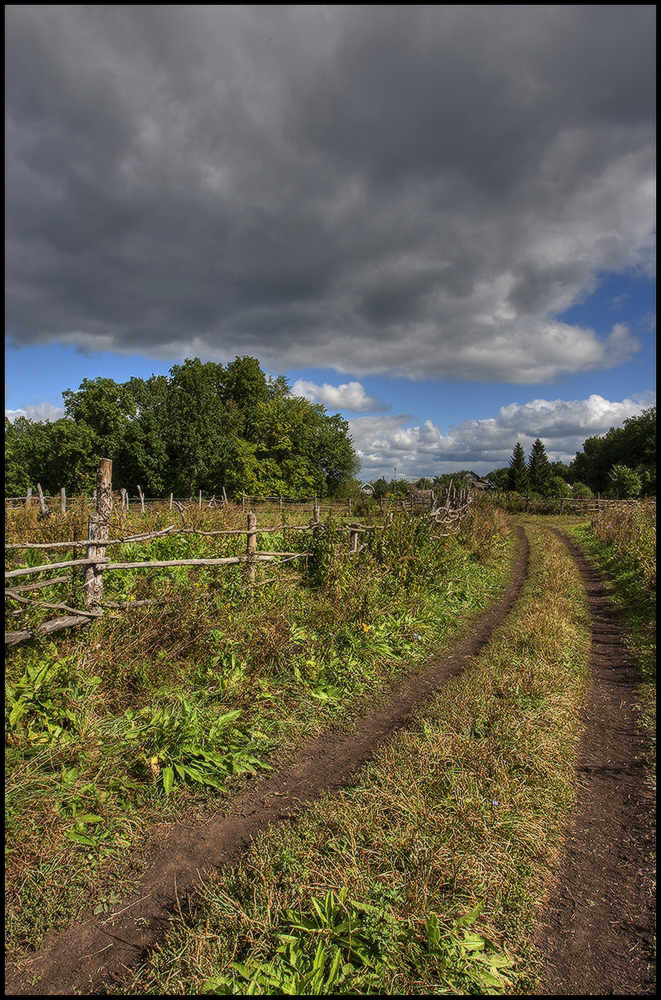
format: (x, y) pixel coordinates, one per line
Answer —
(347, 396)
(385, 442)
(36, 411)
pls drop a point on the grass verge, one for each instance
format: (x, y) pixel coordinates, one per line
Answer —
(633, 591)
(426, 876)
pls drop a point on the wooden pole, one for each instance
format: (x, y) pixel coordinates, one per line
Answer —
(28, 496)
(142, 499)
(353, 538)
(99, 529)
(63, 500)
(171, 499)
(199, 499)
(43, 509)
(251, 547)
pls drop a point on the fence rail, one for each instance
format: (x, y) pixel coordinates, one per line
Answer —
(96, 563)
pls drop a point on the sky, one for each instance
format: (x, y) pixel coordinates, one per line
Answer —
(437, 220)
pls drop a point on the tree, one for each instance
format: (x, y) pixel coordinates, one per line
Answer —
(624, 483)
(581, 491)
(539, 469)
(499, 477)
(202, 427)
(632, 445)
(557, 487)
(518, 472)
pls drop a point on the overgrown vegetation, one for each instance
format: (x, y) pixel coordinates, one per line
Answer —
(157, 712)
(621, 540)
(426, 876)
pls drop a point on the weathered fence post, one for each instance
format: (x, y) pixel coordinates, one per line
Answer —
(63, 500)
(251, 547)
(171, 499)
(142, 499)
(43, 509)
(199, 499)
(353, 538)
(99, 532)
(224, 495)
(28, 496)
(124, 496)
(243, 500)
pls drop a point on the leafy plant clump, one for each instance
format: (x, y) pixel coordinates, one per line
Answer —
(344, 946)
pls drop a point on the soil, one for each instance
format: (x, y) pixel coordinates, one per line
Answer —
(597, 934)
(98, 950)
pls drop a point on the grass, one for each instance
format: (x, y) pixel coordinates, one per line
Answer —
(157, 714)
(425, 876)
(623, 548)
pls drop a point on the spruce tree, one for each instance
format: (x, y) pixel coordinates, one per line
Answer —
(517, 472)
(539, 469)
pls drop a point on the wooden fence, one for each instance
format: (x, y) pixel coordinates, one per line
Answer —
(97, 563)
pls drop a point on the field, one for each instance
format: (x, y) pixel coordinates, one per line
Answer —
(425, 872)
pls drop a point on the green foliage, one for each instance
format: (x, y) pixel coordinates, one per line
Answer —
(633, 445)
(623, 483)
(177, 745)
(518, 471)
(341, 946)
(203, 427)
(581, 491)
(539, 469)
(41, 707)
(558, 487)
(499, 477)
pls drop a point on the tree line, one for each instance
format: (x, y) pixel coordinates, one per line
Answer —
(621, 464)
(204, 426)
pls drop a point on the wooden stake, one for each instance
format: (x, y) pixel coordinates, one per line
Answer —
(251, 547)
(63, 500)
(199, 499)
(99, 528)
(171, 499)
(28, 496)
(43, 509)
(142, 499)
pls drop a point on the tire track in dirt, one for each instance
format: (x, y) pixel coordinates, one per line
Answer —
(597, 931)
(96, 950)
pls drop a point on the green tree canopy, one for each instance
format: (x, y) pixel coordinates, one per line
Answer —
(539, 469)
(632, 445)
(623, 483)
(518, 471)
(204, 426)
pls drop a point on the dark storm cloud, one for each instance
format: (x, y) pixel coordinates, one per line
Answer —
(417, 190)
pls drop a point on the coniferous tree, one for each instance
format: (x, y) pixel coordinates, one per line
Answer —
(539, 469)
(517, 472)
